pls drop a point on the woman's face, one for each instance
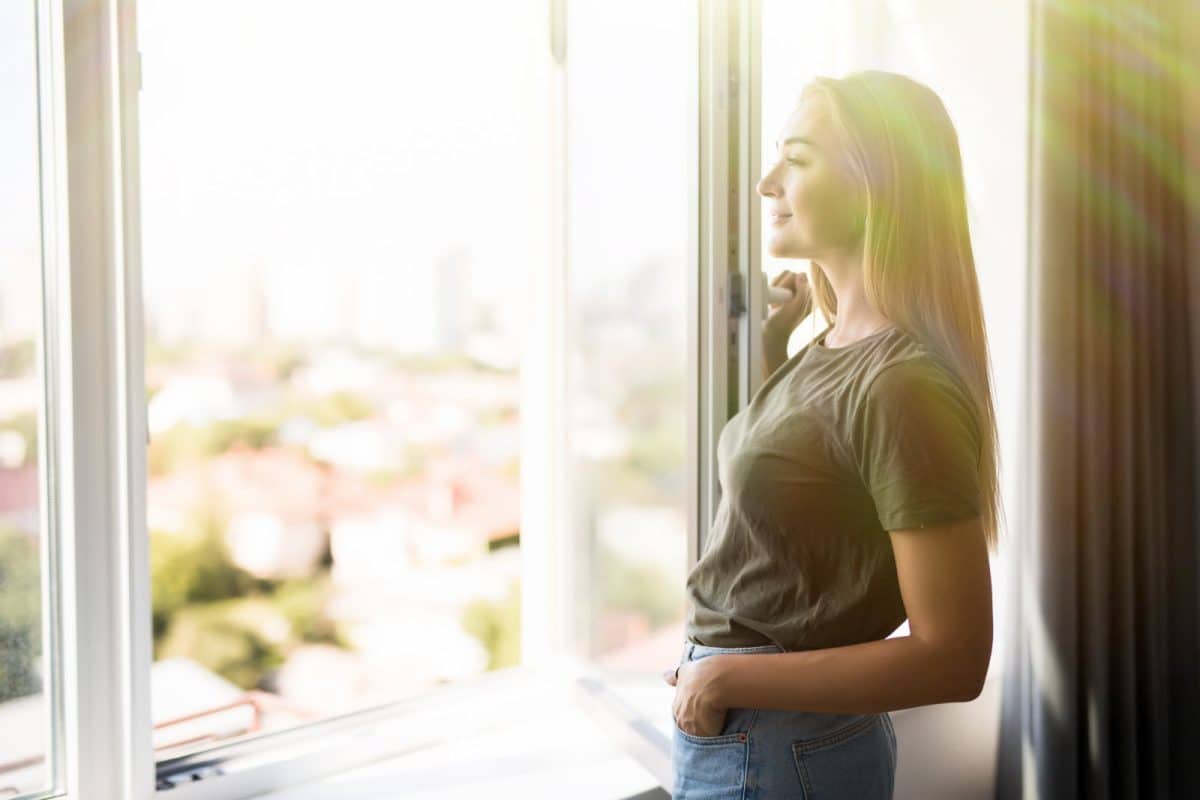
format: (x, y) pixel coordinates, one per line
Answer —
(811, 186)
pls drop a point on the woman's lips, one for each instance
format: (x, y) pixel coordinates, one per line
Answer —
(778, 218)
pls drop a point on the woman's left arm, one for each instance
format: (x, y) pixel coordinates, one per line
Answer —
(945, 583)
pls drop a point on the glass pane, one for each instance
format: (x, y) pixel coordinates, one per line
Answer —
(26, 716)
(627, 212)
(337, 213)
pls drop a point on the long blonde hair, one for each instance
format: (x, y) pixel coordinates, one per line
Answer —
(919, 270)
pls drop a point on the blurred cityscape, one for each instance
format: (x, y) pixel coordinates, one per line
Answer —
(352, 500)
(335, 525)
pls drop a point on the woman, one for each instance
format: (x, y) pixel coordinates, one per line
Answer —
(859, 486)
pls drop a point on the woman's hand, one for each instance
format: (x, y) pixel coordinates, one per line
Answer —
(696, 708)
(783, 318)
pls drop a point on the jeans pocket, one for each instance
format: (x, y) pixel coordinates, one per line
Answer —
(856, 760)
(712, 767)
(735, 728)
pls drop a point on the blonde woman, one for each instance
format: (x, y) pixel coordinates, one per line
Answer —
(859, 486)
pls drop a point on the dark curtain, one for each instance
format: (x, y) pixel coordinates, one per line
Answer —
(1102, 683)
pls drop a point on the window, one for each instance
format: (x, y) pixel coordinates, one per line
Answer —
(627, 263)
(31, 724)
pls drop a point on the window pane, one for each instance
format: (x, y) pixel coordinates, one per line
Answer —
(336, 211)
(627, 212)
(26, 675)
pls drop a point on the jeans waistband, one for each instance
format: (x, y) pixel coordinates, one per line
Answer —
(692, 650)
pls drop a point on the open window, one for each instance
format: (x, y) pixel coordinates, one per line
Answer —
(33, 744)
(427, 354)
(364, 358)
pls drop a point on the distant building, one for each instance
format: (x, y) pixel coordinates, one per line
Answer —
(281, 506)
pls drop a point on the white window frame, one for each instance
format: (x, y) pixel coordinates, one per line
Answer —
(96, 383)
(55, 652)
(90, 83)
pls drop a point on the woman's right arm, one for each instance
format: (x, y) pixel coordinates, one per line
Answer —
(774, 354)
(783, 318)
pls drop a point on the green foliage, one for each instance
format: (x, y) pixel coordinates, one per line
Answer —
(187, 444)
(331, 410)
(498, 627)
(239, 638)
(192, 568)
(226, 639)
(210, 610)
(510, 539)
(160, 354)
(20, 614)
(496, 416)
(302, 603)
(280, 358)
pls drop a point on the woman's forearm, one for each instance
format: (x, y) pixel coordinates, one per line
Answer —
(773, 358)
(871, 677)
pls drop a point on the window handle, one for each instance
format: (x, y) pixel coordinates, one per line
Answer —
(776, 295)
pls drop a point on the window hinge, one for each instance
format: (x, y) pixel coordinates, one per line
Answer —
(188, 775)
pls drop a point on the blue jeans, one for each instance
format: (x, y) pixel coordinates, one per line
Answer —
(768, 754)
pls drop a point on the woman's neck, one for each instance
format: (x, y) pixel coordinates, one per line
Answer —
(856, 318)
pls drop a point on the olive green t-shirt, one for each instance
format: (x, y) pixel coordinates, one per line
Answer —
(837, 447)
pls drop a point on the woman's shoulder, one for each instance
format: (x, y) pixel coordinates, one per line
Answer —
(911, 372)
(900, 356)
(905, 369)
(920, 390)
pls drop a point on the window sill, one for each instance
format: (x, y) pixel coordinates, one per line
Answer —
(594, 735)
(553, 749)
(515, 733)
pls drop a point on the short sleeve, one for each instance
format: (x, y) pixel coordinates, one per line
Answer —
(917, 444)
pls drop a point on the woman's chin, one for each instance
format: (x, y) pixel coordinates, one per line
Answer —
(780, 248)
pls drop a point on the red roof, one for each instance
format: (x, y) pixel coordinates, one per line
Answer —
(19, 489)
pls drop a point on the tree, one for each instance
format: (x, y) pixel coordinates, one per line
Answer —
(498, 627)
(20, 615)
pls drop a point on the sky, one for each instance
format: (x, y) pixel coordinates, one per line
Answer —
(334, 154)
(333, 150)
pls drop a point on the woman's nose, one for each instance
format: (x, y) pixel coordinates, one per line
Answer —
(766, 186)
(762, 188)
